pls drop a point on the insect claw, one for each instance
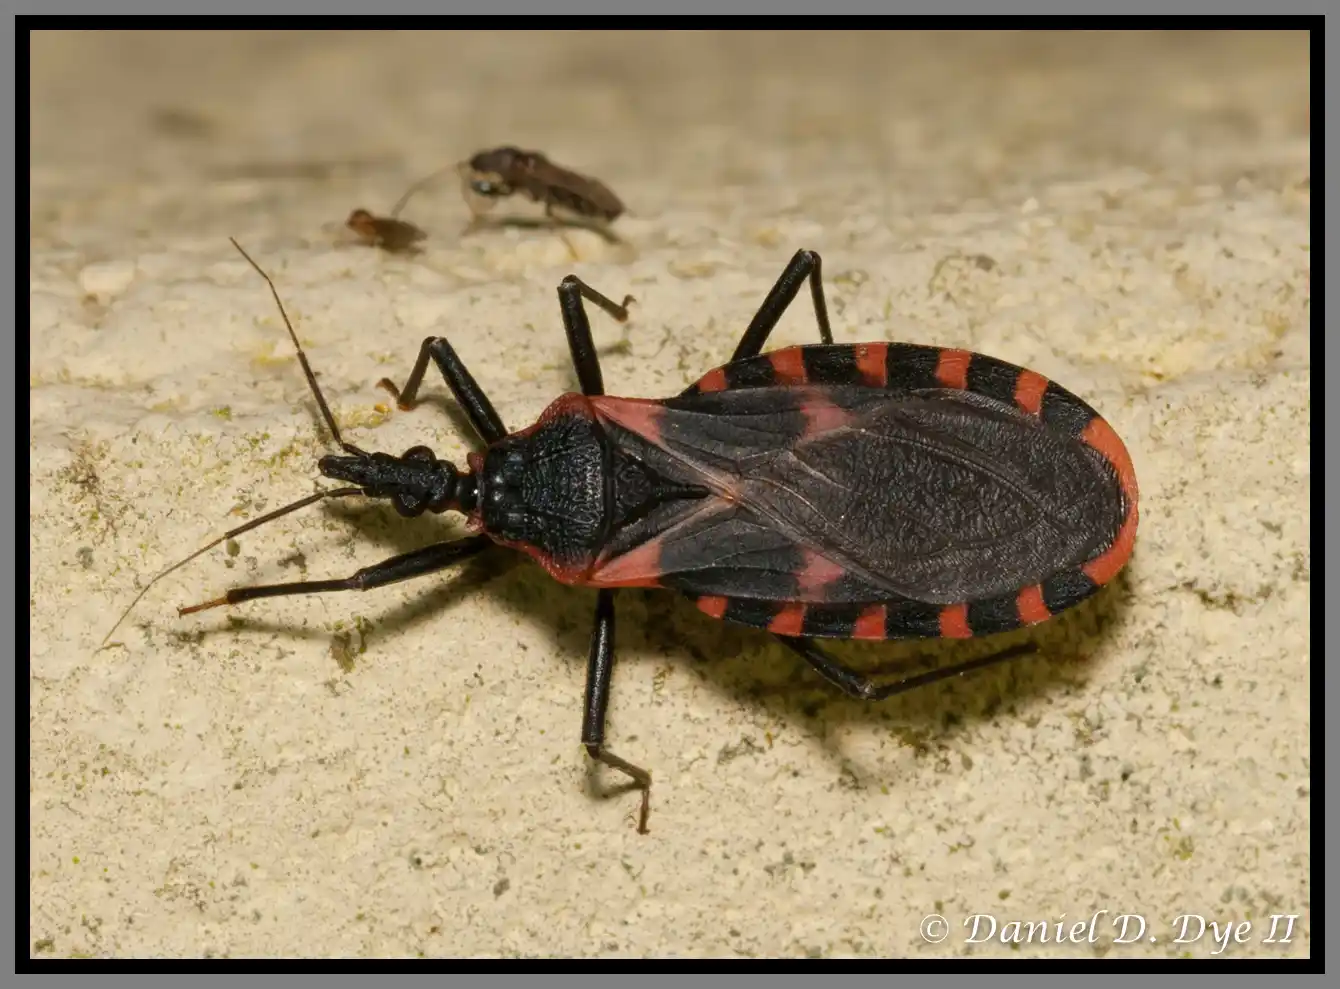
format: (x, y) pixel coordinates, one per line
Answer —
(388, 385)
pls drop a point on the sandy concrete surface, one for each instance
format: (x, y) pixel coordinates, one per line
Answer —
(398, 772)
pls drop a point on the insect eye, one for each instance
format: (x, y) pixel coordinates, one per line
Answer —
(407, 504)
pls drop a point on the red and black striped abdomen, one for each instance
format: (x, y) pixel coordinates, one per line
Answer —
(879, 491)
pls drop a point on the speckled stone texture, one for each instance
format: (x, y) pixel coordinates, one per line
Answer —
(398, 773)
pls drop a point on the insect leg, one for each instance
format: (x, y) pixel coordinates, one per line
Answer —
(571, 291)
(417, 563)
(598, 671)
(468, 393)
(805, 264)
(557, 222)
(863, 688)
(600, 666)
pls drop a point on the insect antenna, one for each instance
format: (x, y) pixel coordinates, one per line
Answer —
(278, 512)
(230, 534)
(426, 180)
(302, 357)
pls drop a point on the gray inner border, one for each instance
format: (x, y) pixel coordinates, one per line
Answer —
(8, 547)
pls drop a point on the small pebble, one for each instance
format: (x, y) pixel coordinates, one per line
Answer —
(107, 278)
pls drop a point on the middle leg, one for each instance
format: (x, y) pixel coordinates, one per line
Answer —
(600, 665)
(599, 670)
(571, 291)
(805, 264)
(463, 386)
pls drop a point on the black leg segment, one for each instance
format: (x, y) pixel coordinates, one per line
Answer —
(600, 665)
(468, 393)
(599, 669)
(862, 688)
(417, 563)
(571, 291)
(805, 264)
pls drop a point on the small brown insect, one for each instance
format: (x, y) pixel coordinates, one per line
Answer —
(388, 233)
(493, 175)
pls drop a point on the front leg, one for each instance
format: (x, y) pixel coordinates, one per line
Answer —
(406, 566)
(462, 384)
(571, 291)
(599, 669)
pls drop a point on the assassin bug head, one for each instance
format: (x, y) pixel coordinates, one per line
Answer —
(541, 489)
(415, 482)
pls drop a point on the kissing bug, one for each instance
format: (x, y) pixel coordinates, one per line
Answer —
(826, 491)
(501, 172)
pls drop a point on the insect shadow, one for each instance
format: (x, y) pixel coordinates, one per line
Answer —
(742, 665)
(482, 223)
(738, 664)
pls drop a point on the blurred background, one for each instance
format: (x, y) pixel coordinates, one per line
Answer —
(708, 125)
